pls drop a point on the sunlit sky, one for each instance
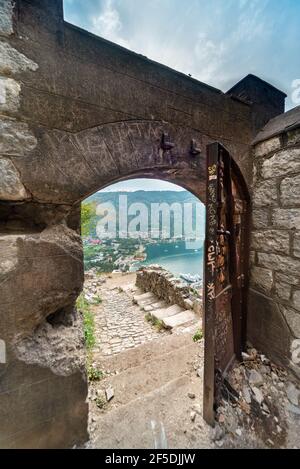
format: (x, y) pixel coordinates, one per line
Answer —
(143, 184)
(216, 41)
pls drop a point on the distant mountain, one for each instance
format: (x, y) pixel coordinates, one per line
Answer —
(147, 198)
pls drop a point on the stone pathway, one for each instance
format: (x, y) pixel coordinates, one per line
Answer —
(119, 324)
(157, 397)
(149, 382)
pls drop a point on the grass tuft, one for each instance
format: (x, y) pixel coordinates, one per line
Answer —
(84, 308)
(198, 336)
(100, 402)
(157, 323)
(94, 374)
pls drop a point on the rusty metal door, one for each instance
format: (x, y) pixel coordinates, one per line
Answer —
(225, 272)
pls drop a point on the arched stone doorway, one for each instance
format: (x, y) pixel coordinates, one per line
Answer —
(44, 261)
(80, 113)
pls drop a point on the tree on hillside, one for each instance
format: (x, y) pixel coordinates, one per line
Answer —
(87, 215)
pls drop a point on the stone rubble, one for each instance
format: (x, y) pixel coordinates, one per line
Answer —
(109, 393)
(265, 411)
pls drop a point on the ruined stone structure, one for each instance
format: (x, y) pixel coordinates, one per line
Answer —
(78, 113)
(168, 288)
(274, 319)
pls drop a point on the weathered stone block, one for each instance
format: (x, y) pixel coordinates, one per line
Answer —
(283, 291)
(297, 244)
(267, 328)
(286, 218)
(267, 147)
(262, 279)
(15, 138)
(293, 320)
(6, 17)
(296, 299)
(265, 194)
(284, 264)
(59, 347)
(294, 137)
(283, 163)
(40, 274)
(271, 241)
(9, 95)
(252, 257)
(51, 409)
(255, 174)
(260, 218)
(12, 61)
(11, 187)
(290, 191)
(287, 279)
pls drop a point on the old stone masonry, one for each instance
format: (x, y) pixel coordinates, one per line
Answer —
(69, 126)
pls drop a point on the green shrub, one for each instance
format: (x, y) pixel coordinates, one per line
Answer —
(198, 336)
(94, 374)
(157, 323)
(84, 308)
(100, 402)
(97, 300)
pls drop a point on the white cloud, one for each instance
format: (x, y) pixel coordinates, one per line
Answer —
(217, 42)
(209, 57)
(108, 24)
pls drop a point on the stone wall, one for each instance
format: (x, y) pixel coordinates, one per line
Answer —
(274, 306)
(43, 384)
(169, 288)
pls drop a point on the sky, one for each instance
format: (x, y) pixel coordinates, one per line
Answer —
(142, 184)
(216, 41)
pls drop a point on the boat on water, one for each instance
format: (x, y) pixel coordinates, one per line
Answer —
(191, 278)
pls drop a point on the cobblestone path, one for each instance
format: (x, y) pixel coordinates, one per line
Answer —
(120, 324)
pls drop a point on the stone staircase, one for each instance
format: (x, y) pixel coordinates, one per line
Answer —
(157, 399)
(156, 386)
(171, 316)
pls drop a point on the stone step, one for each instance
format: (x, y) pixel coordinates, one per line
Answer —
(142, 354)
(145, 422)
(188, 328)
(179, 319)
(154, 306)
(144, 297)
(146, 377)
(131, 287)
(147, 301)
(163, 313)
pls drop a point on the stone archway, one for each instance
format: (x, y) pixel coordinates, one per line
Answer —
(78, 113)
(41, 261)
(65, 168)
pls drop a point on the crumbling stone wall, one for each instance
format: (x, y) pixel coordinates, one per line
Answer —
(169, 288)
(274, 306)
